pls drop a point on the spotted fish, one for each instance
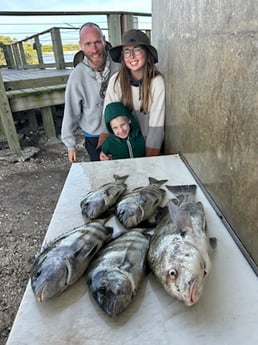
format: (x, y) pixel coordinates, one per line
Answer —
(179, 249)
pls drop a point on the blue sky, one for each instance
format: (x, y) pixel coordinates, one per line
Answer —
(21, 27)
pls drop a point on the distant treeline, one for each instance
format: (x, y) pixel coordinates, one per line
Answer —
(31, 55)
(47, 48)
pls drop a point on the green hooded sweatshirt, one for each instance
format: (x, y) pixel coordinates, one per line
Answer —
(133, 145)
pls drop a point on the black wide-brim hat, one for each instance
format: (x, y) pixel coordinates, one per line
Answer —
(133, 37)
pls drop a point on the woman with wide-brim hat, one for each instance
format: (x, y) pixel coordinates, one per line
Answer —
(140, 86)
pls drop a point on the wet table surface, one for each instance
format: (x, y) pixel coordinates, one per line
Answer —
(227, 312)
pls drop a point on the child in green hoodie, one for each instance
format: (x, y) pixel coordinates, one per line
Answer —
(125, 139)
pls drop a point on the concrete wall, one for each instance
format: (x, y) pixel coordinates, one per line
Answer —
(208, 53)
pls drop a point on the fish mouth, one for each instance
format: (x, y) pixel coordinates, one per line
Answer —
(194, 294)
(39, 294)
(42, 294)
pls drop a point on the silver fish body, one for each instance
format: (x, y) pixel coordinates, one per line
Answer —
(179, 249)
(63, 261)
(140, 204)
(115, 273)
(95, 203)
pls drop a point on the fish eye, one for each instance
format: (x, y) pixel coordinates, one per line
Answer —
(173, 273)
(102, 290)
(204, 273)
(38, 273)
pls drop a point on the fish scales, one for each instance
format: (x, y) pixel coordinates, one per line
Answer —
(115, 274)
(64, 260)
(179, 249)
(96, 202)
(140, 204)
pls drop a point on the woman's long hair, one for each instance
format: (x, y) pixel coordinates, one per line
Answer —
(124, 77)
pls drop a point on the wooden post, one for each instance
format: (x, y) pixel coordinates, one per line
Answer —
(17, 56)
(6, 118)
(8, 55)
(33, 123)
(114, 29)
(57, 48)
(126, 22)
(22, 54)
(48, 122)
(37, 47)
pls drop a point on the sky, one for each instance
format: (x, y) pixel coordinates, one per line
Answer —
(20, 27)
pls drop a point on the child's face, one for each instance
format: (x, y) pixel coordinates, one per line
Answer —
(120, 126)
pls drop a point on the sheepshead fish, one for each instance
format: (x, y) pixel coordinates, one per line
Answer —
(140, 204)
(103, 198)
(63, 261)
(179, 249)
(115, 273)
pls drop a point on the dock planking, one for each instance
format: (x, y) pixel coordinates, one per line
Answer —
(26, 90)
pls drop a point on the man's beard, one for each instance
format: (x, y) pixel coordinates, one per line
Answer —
(96, 63)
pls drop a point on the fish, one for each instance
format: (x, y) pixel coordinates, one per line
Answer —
(115, 274)
(97, 202)
(179, 252)
(64, 260)
(140, 204)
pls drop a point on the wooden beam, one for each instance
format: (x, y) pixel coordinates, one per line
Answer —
(48, 122)
(35, 98)
(35, 82)
(7, 121)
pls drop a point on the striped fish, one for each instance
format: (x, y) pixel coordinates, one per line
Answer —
(140, 204)
(95, 203)
(64, 260)
(115, 273)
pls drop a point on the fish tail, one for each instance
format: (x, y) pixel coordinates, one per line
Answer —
(120, 178)
(183, 193)
(153, 180)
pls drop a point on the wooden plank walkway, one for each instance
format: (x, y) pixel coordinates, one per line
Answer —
(27, 90)
(17, 75)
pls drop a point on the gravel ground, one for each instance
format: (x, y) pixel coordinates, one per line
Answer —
(29, 192)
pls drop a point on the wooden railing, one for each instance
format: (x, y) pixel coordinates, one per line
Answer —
(16, 53)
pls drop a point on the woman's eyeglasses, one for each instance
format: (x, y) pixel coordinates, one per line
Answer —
(135, 51)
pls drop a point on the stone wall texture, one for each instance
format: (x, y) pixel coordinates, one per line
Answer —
(208, 54)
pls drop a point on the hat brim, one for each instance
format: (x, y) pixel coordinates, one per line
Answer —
(115, 52)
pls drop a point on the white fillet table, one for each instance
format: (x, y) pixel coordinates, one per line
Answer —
(227, 312)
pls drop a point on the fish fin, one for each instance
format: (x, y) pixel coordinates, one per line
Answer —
(213, 242)
(179, 216)
(161, 213)
(108, 214)
(183, 193)
(149, 223)
(199, 206)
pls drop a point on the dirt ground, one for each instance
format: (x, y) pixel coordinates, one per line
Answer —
(29, 192)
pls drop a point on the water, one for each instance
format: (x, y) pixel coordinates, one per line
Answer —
(49, 57)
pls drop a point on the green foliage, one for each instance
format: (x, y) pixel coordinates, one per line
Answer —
(47, 48)
(4, 40)
(30, 53)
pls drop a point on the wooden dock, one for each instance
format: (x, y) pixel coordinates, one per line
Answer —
(25, 91)
(18, 76)
(27, 84)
